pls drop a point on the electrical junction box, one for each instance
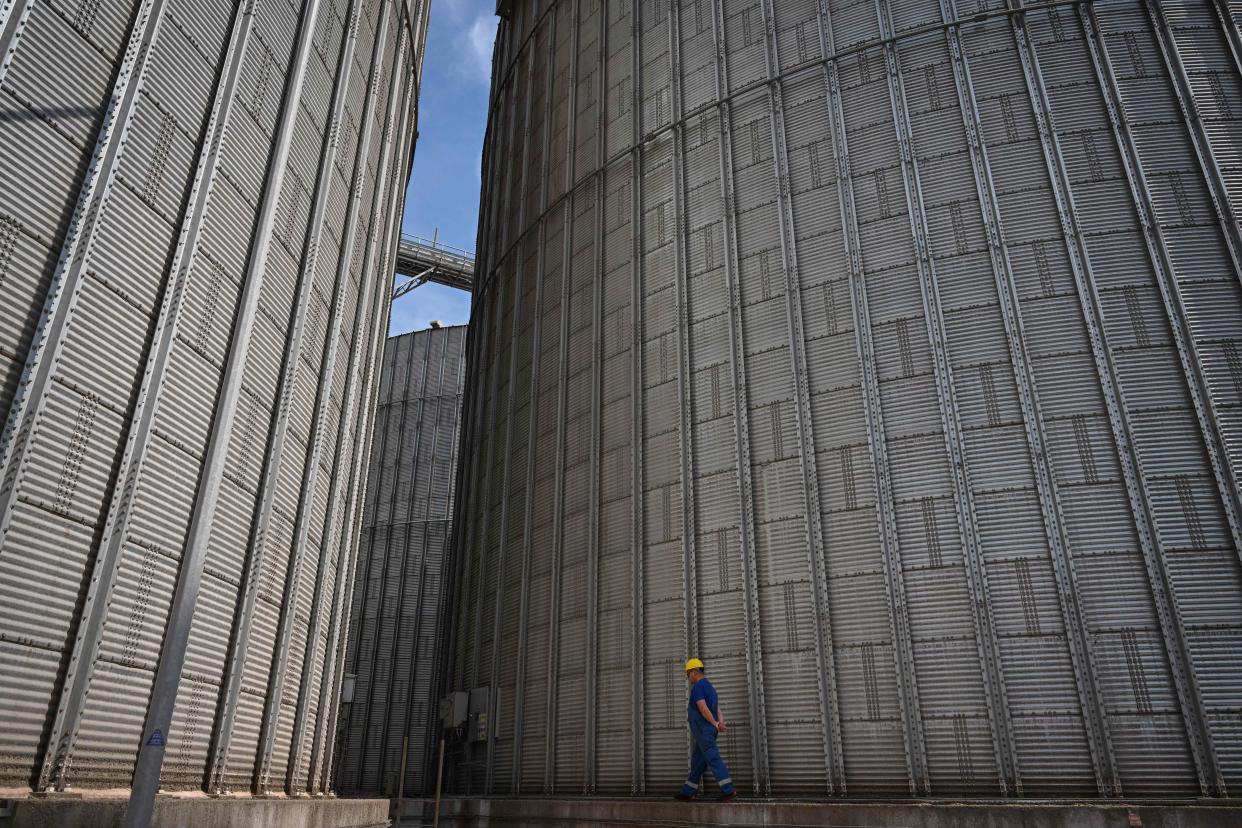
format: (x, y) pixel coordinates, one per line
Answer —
(479, 724)
(454, 709)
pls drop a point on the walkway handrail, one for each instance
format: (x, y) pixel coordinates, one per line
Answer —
(428, 260)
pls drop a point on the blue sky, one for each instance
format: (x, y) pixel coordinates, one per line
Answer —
(444, 185)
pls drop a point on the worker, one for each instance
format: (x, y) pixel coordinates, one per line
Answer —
(706, 721)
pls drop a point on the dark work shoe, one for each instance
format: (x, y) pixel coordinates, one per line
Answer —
(681, 797)
(728, 797)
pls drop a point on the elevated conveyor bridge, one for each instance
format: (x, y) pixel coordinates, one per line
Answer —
(422, 260)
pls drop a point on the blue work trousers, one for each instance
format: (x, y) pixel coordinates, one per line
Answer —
(705, 754)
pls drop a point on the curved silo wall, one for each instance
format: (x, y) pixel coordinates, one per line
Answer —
(396, 624)
(198, 213)
(884, 354)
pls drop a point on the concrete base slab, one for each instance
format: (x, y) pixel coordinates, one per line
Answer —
(466, 812)
(198, 811)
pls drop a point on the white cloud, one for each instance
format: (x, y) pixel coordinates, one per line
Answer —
(479, 39)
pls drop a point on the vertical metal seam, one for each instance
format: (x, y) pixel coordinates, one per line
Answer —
(531, 429)
(297, 745)
(328, 361)
(459, 560)
(689, 522)
(597, 376)
(1094, 713)
(437, 586)
(361, 346)
(323, 750)
(443, 656)
(637, 509)
(189, 576)
(506, 477)
(14, 15)
(558, 515)
(344, 569)
(985, 623)
(1050, 508)
(371, 556)
(408, 402)
(93, 187)
(321, 760)
(381, 696)
(558, 508)
(484, 299)
(498, 598)
(374, 557)
(1119, 419)
(1213, 179)
(449, 580)
(982, 615)
(262, 513)
(334, 658)
(422, 595)
(465, 526)
(532, 423)
(63, 735)
(473, 459)
(1175, 311)
(461, 564)
(912, 727)
(1230, 227)
(482, 518)
(528, 512)
(825, 651)
(794, 322)
(308, 486)
(483, 506)
(825, 643)
(1229, 29)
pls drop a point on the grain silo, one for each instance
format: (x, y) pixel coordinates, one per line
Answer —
(199, 205)
(396, 624)
(885, 354)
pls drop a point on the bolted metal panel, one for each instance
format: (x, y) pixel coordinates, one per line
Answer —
(197, 231)
(396, 616)
(885, 355)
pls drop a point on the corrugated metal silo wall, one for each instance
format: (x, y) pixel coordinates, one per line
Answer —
(198, 212)
(882, 353)
(396, 622)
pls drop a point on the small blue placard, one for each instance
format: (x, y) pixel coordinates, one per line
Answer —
(157, 738)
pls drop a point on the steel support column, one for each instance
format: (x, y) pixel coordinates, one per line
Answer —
(982, 613)
(532, 423)
(558, 507)
(63, 735)
(189, 577)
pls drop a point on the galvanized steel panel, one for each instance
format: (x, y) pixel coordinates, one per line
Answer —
(914, 371)
(397, 604)
(175, 155)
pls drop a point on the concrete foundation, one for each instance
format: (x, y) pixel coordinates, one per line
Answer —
(72, 811)
(469, 812)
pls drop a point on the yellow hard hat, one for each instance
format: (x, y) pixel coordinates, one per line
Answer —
(694, 664)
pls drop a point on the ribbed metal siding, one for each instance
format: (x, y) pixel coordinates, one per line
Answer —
(883, 353)
(396, 622)
(197, 215)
